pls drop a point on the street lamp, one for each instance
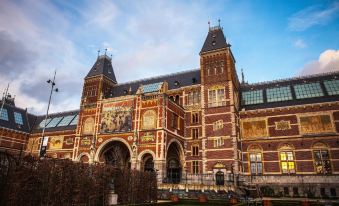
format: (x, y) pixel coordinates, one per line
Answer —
(43, 146)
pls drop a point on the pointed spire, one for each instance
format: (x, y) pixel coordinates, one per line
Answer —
(209, 25)
(98, 53)
(219, 22)
(242, 76)
(105, 51)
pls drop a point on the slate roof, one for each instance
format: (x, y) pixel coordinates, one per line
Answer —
(215, 40)
(175, 81)
(27, 119)
(291, 82)
(103, 65)
(41, 118)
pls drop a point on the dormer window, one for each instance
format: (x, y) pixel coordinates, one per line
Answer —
(95, 69)
(125, 91)
(109, 72)
(176, 83)
(213, 43)
(194, 80)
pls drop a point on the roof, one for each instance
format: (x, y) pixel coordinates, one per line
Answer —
(292, 91)
(103, 66)
(215, 40)
(175, 81)
(149, 88)
(17, 119)
(57, 122)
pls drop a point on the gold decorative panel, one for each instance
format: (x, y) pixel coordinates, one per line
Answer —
(282, 125)
(149, 119)
(56, 142)
(315, 124)
(253, 129)
(88, 127)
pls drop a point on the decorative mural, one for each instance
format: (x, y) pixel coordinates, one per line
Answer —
(116, 117)
(282, 125)
(315, 124)
(149, 119)
(88, 127)
(56, 142)
(33, 144)
(254, 128)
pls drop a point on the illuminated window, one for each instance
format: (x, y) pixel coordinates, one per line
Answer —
(195, 117)
(195, 133)
(218, 142)
(287, 162)
(332, 87)
(4, 114)
(216, 98)
(217, 125)
(308, 90)
(18, 118)
(279, 94)
(195, 167)
(195, 150)
(322, 161)
(252, 97)
(256, 163)
(193, 98)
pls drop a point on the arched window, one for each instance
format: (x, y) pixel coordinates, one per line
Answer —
(287, 160)
(322, 162)
(255, 158)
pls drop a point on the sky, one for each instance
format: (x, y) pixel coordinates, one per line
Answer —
(270, 40)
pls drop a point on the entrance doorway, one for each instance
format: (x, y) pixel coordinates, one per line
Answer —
(116, 154)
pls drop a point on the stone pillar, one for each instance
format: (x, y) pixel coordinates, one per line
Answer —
(160, 168)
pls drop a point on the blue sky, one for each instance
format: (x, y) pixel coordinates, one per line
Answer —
(270, 40)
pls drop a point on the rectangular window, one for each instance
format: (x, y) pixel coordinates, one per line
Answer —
(195, 133)
(218, 142)
(279, 94)
(252, 97)
(303, 91)
(216, 98)
(195, 117)
(295, 191)
(4, 114)
(286, 191)
(256, 163)
(333, 192)
(287, 162)
(193, 98)
(175, 121)
(195, 167)
(332, 87)
(322, 191)
(322, 161)
(18, 118)
(195, 150)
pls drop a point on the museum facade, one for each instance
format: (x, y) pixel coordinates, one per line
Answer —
(201, 129)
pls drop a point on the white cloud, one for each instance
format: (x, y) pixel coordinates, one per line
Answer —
(299, 44)
(328, 61)
(312, 16)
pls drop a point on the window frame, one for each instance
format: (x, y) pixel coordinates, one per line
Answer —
(287, 161)
(256, 162)
(195, 150)
(195, 167)
(4, 114)
(217, 97)
(18, 119)
(195, 133)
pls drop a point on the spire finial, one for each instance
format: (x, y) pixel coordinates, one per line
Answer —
(98, 53)
(219, 22)
(209, 25)
(242, 76)
(105, 51)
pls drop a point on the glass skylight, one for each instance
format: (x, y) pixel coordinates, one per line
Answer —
(42, 123)
(332, 87)
(54, 122)
(18, 118)
(278, 94)
(310, 90)
(75, 120)
(66, 120)
(252, 97)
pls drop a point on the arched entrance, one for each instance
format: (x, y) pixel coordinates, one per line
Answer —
(173, 163)
(219, 178)
(147, 163)
(117, 154)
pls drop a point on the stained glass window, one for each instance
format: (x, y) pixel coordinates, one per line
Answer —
(54, 122)
(4, 114)
(75, 120)
(332, 87)
(322, 162)
(252, 97)
(308, 90)
(279, 94)
(66, 120)
(18, 118)
(287, 162)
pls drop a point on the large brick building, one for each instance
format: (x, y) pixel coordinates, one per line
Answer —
(200, 129)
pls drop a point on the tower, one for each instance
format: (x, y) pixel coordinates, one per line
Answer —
(98, 83)
(219, 100)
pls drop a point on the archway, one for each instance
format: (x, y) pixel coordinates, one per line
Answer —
(173, 163)
(115, 153)
(147, 163)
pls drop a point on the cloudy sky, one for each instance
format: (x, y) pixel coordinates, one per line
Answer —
(270, 40)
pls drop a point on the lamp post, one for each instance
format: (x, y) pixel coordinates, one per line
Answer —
(42, 146)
